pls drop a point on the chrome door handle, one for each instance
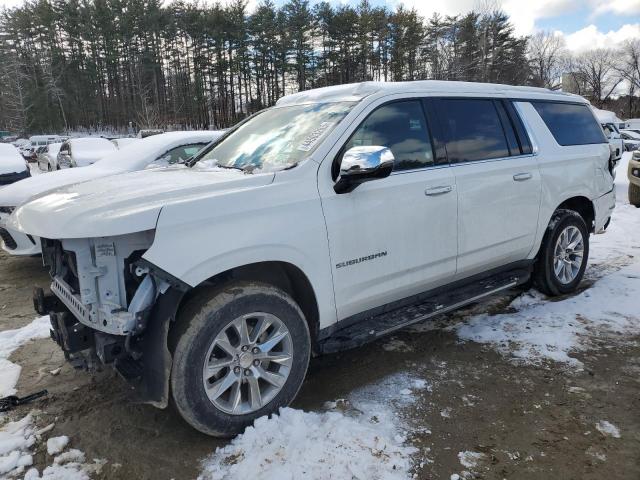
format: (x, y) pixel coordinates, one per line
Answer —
(438, 190)
(521, 177)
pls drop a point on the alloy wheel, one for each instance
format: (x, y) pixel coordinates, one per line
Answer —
(248, 363)
(568, 254)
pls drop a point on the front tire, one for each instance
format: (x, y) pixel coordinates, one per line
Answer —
(634, 194)
(240, 352)
(563, 255)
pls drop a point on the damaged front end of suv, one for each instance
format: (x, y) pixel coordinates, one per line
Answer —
(103, 297)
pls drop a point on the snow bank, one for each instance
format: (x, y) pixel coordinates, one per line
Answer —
(15, 440)
(551, 330)
(545, 330)
(297, 444)
(362, 437)
(10, 340)
(619, 244)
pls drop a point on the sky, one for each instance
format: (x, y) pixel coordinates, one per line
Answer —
(584, 24)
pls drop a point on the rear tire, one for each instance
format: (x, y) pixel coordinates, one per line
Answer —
(563, 254)
(222, 377)
(634, 195)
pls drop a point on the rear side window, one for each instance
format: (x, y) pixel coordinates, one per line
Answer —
(570, 124)
(473, 129)
(401, 127)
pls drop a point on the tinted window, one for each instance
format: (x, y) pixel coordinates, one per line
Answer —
(570, 124)
(401, 127)
(523, 138)
(474, 131)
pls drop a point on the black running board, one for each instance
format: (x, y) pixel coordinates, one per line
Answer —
(442, 301)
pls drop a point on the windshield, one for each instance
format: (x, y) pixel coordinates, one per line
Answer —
(277, 138)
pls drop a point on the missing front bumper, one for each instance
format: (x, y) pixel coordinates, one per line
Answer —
(147, 370)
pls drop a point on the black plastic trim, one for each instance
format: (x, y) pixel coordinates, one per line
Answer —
(421, 297)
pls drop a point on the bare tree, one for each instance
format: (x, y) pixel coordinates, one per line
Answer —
(15, 102)
(629, 67)
(595, 71)
(548, 58)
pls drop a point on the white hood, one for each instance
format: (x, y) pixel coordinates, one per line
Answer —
(10, 159)
(19, 192)
(123, 204)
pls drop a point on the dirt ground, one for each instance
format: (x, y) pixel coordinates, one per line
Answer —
(530, 422)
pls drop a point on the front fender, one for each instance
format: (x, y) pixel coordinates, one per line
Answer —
(280, 222)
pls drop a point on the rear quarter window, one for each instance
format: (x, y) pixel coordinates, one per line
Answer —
(570, 124)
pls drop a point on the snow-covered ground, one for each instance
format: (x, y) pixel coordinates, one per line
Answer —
(365, 436)
(10, 340)
(19, 439)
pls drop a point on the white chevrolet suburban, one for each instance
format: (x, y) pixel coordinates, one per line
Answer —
(335, 217)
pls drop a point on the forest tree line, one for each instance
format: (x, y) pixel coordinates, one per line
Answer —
(111, 64)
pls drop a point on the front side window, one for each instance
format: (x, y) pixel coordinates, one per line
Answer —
(277, 138)
(570, 123)
(401, 127)
(473, 130)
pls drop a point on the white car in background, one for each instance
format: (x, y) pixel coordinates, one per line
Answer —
(48, 159)
(616, 144)
(82, 152)
(158, 150)
(12, 166)
(631, 140)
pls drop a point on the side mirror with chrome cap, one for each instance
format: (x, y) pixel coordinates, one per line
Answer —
(362, 164)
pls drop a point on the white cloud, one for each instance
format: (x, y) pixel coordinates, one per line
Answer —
(590, 37)
(525, 13)
(617, 7)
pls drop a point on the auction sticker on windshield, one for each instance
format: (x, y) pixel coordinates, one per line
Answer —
(309, 142)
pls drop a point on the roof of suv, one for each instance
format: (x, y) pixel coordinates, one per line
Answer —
(358, 91)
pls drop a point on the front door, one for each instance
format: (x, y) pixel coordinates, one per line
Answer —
(394, 237)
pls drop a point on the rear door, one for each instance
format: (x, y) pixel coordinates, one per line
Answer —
(497, 178)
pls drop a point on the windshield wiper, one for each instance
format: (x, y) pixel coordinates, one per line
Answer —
(185, 161)
(232, 167)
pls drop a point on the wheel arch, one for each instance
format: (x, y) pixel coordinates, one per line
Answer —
(581, 205)
(284, 275)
